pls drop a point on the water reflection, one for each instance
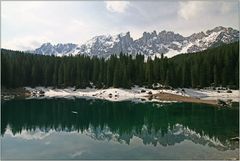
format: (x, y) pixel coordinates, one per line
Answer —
(161, 124)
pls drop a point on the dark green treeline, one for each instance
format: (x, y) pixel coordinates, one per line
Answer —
(216, 66)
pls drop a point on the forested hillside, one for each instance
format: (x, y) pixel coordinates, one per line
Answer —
(217, 66)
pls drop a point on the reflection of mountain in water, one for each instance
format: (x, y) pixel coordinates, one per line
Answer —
(173, 136)
(121, 121)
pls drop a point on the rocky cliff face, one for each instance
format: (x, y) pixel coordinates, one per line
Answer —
(150, 44)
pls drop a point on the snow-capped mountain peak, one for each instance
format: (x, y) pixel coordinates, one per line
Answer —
(151, 44)
(58, 49)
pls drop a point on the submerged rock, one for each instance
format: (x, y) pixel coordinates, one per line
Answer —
(224, 103)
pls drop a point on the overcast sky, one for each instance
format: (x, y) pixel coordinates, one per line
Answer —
(26, 25)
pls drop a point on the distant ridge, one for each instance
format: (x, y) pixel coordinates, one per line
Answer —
(150, 44)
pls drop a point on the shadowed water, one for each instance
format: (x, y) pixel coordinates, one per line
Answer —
(98, 129)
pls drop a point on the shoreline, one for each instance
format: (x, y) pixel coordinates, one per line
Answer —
(7, 94)
(173, 97)
(118, 94)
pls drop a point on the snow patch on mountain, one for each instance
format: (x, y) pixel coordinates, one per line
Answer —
(150, 44)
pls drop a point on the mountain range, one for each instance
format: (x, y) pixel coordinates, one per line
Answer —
(150, 44)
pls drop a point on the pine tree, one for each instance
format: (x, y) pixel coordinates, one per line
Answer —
(217, 65)
(215, 71)
(55, 75)
(117, 75)
(60, 75)
(34, 76)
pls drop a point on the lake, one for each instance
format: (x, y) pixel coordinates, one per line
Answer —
(99, 129)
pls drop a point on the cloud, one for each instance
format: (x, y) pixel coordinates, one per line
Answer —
(227, 7)
(117, 6)
(196, 9)
(191, 9)
(77, 154)
(25, 43)
(25, 26)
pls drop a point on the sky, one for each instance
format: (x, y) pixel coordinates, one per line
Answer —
(25, 25)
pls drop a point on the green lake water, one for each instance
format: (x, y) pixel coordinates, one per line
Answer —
(99, 129)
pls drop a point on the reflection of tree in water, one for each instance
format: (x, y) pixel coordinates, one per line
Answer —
(166, 125)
